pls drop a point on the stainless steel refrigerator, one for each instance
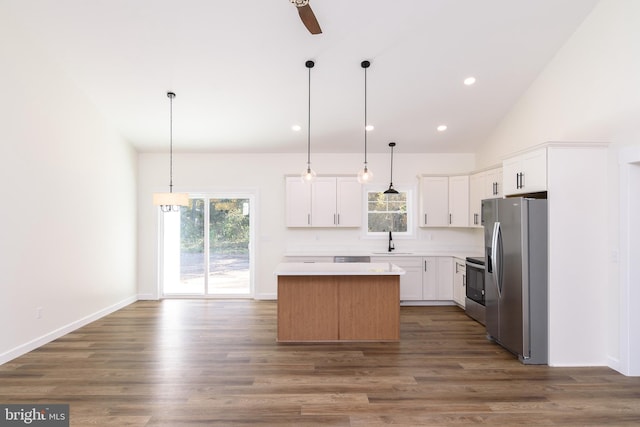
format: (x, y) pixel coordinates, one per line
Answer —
(515, 240)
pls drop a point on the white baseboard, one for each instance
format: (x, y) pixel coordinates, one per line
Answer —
(44, 339)
(615, 364)
(147, 297)
(266, 296)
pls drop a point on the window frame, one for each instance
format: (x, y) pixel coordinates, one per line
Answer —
(411, 212)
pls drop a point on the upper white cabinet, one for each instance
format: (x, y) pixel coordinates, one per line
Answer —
(493, 187)
(483, 185)
(298, 203)
(444, 201)
(323, 202)
(525, 173)
(349, 202)
(459, 201)
(434, 201)
(326, 202)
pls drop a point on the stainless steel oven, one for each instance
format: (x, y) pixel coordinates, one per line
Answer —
(474, 303)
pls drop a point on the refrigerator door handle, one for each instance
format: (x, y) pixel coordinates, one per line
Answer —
(494, 255)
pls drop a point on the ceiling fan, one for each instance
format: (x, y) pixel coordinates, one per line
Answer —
(306, 15)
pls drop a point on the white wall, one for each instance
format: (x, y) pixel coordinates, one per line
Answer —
(264, 174)
(68, 237)
(588, 92)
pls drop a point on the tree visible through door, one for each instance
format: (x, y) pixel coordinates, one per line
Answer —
(216, 262)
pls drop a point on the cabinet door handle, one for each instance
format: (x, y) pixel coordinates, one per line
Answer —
(518, 180)
(425, 219)
(449, 219)
(308, 219)
(495, 188)
(338, 219)
(521, 179)
(475, 219)
(425, 265)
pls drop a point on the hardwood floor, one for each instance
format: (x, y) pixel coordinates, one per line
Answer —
(216, 363)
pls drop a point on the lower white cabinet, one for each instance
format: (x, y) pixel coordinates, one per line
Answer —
(459, 281)
(411, 281)
(426, 278)
(445, 279)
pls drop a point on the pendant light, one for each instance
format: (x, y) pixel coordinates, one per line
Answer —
(364, 174)
(170, 202)
(308, 175)
(391, 190)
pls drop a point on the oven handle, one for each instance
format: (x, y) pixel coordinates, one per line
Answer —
(494, 255)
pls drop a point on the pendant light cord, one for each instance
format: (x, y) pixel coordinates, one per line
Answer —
(365, 117)
(171, 95)
(309, 123)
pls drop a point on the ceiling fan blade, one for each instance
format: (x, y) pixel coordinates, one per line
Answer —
(309, 19)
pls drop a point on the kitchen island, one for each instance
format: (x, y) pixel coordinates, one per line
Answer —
(325, 301)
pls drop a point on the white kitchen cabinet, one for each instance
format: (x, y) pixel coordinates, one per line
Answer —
(483, 185)
(434, 201)
(298, 203)
(476, 194)
(459, 281)
(411, 281)
(326, 202)
(525, 173)
(437, 278)
(459, 201)
(493, 184)
(349, 202)
(323, 202)
(427, 279)
(444, 201)
(430, 278)
(445, 279)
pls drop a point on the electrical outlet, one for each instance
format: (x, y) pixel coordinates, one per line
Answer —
(39, 313)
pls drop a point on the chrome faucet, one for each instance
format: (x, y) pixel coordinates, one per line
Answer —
(391, 245)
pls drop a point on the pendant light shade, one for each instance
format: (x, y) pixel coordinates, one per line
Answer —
(365, 175)
(308, 174)
(391, 190)
(170, 202)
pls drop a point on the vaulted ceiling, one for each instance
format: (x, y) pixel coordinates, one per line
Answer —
(238, 68)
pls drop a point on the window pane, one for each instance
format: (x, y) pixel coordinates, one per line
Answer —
(387, 212)
(229, 246)
(192, 247)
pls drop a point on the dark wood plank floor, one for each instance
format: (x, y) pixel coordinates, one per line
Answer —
(216, 363)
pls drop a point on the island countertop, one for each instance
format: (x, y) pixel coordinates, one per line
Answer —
(338, 269)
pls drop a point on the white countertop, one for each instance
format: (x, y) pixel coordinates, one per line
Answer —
(389, 255)
(338, 269)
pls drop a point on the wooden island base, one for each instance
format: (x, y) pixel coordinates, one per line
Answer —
(338, 308)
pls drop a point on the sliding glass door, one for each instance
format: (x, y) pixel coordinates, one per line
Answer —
(207, 248)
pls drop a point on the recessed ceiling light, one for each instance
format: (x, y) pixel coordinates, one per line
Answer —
(296, 128)
(442, 128)
(369, 128)
(469, 81)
